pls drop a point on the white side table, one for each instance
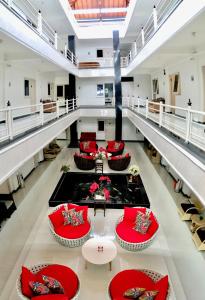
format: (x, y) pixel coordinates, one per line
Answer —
(91, 253)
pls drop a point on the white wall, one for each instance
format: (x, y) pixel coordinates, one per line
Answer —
(192, 82)
(130, 132)
(88, 48)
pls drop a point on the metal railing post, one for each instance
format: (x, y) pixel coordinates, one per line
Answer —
(56, 40)
(66, 106)
(142, 36)
(147, 108)
(133, 103)
(160, 113)
(72, 57)
(73, 103)
(138, 104)
(57, 109)
(41, 114)
(188, 125)
(155, 18)
(66, 49)
(39, 27)
(10, 122)
(135, 48)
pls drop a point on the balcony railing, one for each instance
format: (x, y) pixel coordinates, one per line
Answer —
(106, 62)
(161, 12)
(32, 17)
(15, 121)
(185, 123)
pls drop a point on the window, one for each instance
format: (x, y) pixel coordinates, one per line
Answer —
(100, 90)
(155, 85)
(49, 89)
(99, 53)
(100, 125)
(59, 90)
(26, 87)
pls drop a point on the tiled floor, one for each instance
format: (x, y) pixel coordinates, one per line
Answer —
(25, 239)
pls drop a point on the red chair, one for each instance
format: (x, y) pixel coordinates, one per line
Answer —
(115, 147)
(129, 238)
(84, 162)
(119, 162)
(148, 279)
(88, 147)
(69, 236)
(66, 276)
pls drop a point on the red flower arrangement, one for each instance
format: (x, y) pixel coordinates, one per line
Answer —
(100, 188)
(104, 178)
(93, 188)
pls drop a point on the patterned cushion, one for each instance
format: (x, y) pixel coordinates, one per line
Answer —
(134, 293)
(142, 222)
(117, 146)
(53, 284)
(77, 218)
(86, 145)
(67, 215)
(39, 288)
(148, 295)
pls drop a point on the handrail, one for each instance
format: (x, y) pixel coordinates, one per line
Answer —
(32, 17)
(161, 12)
(32, 116)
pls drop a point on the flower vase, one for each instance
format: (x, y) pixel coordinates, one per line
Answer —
(99, 161)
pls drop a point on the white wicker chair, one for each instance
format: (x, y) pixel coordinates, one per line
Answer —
(135, 246)
(155, 276)
(35, 269)
(71, 243)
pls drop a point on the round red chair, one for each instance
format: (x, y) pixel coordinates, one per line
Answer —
(70, 236)
(148, 279)
(129, 238)
(66, 276)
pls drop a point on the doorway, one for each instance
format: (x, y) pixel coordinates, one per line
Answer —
(172, 95)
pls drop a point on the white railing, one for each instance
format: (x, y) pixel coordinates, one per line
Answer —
(161, 11)
(32, 17)
(187, 123)
(105, 62)
(15, 121)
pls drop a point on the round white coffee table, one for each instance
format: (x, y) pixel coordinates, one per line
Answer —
(99, 251)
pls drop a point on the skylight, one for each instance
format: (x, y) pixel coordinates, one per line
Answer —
(99, 10)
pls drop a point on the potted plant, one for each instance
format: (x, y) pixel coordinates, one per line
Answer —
(65, 168)
(134, 171)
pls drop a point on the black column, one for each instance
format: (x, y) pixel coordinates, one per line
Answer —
(72, 94)
(118, 87)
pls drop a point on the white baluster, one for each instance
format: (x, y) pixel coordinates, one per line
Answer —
(147, 109)
(66, 50)
(57, 110)
(10, 122)
(155, 18)
(188, 124)
(39, 27)
(160, 113)
(66, 106)
(142, 34)
(73, 103)
(56, 40)
(138, 104)
(41, 114)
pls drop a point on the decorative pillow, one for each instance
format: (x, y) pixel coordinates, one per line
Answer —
(117, 146)
(84, 208)
(53, 284)
(148, 295)
(86, 145)
(162, 286)
(57, 218)
(134, 293)
(39, 288)
(142, 222)
(67, 215)
(77, 218)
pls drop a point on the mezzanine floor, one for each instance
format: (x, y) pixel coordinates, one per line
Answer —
(25, 238)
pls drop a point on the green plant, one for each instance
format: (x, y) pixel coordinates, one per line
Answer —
(65, 168)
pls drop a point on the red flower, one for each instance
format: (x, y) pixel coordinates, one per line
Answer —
(94, 186)
(106, 193)
(104, 178)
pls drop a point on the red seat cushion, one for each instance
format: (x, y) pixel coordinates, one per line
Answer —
(79, 208)
(125, 228)
(51, 297)
(64, 275)
(87, 156)
(57, 218)
(134, 278)
(111, 146)
(26, 277)
(73, 232)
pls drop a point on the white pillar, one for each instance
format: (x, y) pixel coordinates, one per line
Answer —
(155, 18)
(39, 22)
